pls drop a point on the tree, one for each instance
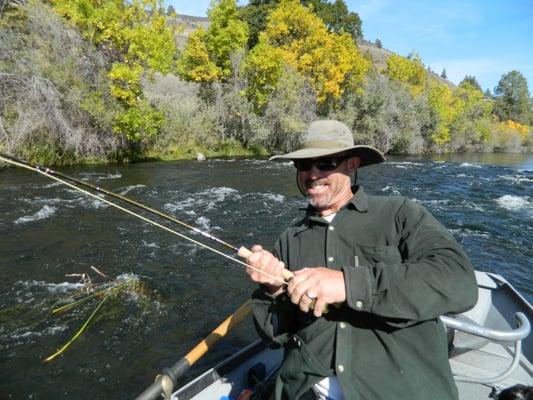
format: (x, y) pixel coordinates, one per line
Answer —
(263, 68)
(255, 14)
(471, 114)
(512, 98)
(207, 55)
(336, 17)
(443, 74)
(330, 61)
(378, 43)
(171, 11)
(441, 99)
(407, 70)
(471, 79)
(194, 63)
(137, 41)
(226, 34)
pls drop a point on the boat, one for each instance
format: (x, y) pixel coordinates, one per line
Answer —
(490, 349)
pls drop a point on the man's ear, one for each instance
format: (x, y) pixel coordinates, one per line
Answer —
(353, 163)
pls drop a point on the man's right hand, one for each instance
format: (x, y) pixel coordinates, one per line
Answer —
(262, 260)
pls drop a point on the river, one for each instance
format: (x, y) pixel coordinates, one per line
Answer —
(48, 231)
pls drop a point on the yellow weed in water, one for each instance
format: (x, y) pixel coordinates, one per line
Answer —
(130, 284)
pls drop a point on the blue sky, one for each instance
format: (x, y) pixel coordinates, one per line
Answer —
(484, 38)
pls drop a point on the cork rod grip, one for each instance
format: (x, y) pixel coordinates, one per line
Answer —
(245, 253)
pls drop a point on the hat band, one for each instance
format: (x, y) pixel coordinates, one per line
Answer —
(326, 144)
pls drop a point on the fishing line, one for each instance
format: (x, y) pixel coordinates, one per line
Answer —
(47, 172)
(118, 196)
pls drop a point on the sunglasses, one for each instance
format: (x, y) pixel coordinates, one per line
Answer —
(322, 164)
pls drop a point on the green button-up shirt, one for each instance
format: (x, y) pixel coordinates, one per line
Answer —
(402, 269)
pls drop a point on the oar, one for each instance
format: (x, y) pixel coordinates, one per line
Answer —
(166, 381)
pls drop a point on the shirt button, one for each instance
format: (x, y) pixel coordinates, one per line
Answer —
(359, 304)
(331, 228)
(330, 259)
(340, 368)
(342, 325)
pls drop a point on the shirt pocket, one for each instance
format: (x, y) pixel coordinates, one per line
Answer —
(371, 255)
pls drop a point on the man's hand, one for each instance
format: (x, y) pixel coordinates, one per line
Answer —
(323, 284)
(265, 261)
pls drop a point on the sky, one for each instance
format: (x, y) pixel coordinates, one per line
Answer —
(483, 38)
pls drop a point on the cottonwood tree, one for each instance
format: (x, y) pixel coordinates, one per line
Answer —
(512, 98)
(408, 70)
(331, 62)
(207, 55)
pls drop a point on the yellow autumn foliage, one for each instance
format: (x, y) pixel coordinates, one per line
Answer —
(441, 99)
(194, 63)
(332, 62)
(207, 55)
(141, 42)
(410, 71)
(520, 129)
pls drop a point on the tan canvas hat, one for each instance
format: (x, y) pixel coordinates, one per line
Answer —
(329, 137)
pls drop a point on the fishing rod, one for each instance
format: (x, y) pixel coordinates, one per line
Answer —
(72, 182)
(116, 196)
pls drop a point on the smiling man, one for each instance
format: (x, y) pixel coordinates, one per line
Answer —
(386, 268)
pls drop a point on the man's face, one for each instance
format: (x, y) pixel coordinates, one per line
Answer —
(328, 191)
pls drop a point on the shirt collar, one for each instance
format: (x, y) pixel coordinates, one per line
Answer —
(359, 200)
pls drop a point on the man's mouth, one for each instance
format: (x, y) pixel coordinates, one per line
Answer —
(316, 186)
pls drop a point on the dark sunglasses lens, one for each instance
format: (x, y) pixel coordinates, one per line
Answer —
(327, 164)
(303, 165)
(323, 164)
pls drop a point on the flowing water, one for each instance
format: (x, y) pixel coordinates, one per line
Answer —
(48, 231)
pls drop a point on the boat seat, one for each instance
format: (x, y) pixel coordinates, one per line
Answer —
(474, 336)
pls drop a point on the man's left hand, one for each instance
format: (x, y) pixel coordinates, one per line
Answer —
(323, 284)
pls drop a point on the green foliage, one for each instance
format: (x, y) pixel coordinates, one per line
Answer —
(263, 69)
(472, 112)
(385, 115)
(171, 11)
(226, 34)
(141, 122)
(471, 79)
(255, 14)
(207, 55)
(139, 42)
(440, 97)
(290, 108)
(194, 63)
(512, 98)
(337, 17)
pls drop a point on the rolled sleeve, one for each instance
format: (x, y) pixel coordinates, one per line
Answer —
(358, 284)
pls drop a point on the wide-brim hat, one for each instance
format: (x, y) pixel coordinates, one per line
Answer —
(330, 137)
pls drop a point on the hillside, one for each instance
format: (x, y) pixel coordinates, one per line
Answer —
(73, 93)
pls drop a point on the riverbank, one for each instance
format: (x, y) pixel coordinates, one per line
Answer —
(172, 153)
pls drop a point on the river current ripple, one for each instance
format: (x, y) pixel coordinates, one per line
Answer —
(48, 231)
